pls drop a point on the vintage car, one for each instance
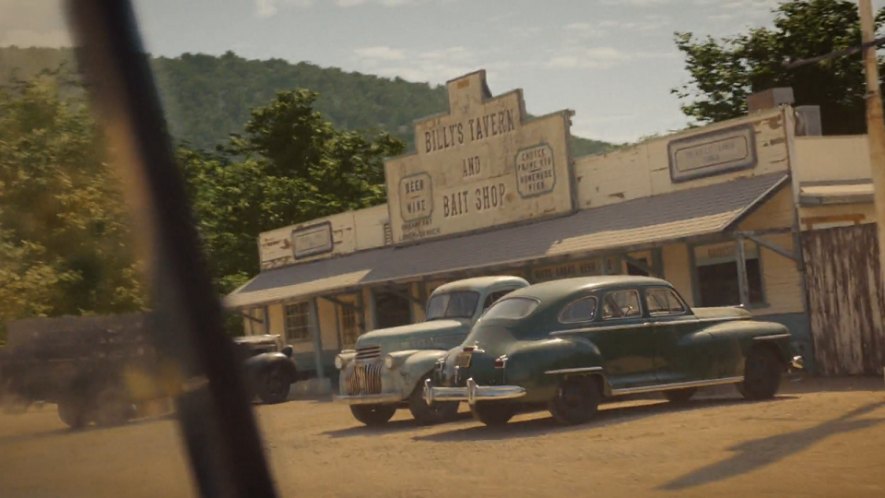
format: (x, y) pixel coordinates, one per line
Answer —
(566, 345)
(268, 367)
(387, 369)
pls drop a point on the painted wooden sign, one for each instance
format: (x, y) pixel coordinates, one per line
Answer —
(712, 153)
(482, 164)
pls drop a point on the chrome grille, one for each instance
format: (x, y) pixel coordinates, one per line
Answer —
(368, 352)
(364, 378)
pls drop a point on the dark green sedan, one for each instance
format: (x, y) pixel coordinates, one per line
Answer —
(568, 344)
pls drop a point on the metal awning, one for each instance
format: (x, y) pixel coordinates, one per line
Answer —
(835, 193)
(646, 221)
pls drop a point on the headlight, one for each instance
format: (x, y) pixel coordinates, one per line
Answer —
(339, 362)
(389, 362)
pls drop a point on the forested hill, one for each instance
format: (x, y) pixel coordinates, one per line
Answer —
(208, 97)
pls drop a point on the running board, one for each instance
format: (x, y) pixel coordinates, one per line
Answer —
(677, 385)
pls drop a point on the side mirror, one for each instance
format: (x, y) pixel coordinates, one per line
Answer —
(287, 350)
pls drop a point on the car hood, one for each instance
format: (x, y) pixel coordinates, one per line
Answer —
(727, 312)
(434, 334)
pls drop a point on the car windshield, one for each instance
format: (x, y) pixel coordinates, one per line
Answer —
(459, 304)
(512, 308)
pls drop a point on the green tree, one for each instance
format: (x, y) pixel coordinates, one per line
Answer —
(725, 71)
(291, 165)
(64, 239)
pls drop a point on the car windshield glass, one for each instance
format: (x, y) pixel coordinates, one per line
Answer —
(452, 305)
(515, 307)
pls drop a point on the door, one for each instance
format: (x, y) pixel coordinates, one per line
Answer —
(682, 351)
(625, 338)
(392, 307)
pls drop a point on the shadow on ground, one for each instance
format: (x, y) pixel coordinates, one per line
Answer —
(607, 416)
(752, 455)
(388, 428)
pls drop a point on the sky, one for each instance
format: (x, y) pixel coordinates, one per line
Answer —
(613, 62)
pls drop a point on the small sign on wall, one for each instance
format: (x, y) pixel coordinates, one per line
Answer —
(312, 240)
(712, 153)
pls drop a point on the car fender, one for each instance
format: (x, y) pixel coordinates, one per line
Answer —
(261, 363)
(747, 334)
(540, 366)
(418, 365)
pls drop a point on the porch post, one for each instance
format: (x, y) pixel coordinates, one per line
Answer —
(743, 283)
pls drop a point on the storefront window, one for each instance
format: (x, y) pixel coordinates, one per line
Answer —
(717, 275)
(349, 330)
(298, 321)
(392, 308)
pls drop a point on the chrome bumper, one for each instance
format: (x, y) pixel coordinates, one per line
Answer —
(368, 399)
(471, 393)
(797, 363)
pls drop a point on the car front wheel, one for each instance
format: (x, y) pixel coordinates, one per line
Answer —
(438, 412)
(576, 400)
(493, 412)
(274, 387)
(373, 415)
(762, 375)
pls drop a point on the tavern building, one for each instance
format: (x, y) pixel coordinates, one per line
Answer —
(760, 211)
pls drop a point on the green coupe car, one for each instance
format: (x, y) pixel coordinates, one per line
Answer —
(566, 345)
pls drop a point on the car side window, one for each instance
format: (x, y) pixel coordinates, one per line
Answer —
(494, 296)
(582, 310)
(621, 304)
(662, 301)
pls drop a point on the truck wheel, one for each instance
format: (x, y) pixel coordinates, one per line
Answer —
(373, 415)
(680, 395)
(762, 375)
(440, 411)
(493, 412)
(71, 412)
(274, 387)
(111, 406)
(576, 400)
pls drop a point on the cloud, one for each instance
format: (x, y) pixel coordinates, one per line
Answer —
(385, 3)
(432, 66)
(636, 3)
(269, 8)
(597, 58)
(381, 53)
(601, 58)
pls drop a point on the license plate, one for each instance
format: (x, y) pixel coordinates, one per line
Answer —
(463, 360)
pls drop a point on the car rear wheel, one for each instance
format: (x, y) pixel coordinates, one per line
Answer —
(762, 375)
(274, 387)
(680, 395)
(72, 412)
(493, 412)
(373, 415)
(576, 400)
(438, 412)
(111, 406)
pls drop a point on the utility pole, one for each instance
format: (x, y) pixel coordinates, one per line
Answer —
(875, 124)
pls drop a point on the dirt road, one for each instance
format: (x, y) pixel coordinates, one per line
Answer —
(818, 438)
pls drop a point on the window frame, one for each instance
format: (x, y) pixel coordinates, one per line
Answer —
(685, 308)
(596, 301)
(642, 311)
(696, 281)
(288, 317)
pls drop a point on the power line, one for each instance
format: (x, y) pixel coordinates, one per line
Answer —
(837, 53)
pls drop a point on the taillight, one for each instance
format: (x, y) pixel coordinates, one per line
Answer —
(501, 361)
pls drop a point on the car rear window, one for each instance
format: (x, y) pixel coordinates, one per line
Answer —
(514, 307)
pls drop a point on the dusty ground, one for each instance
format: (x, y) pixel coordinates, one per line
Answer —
(818, 438)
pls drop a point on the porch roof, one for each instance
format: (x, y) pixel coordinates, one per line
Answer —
(645, 221)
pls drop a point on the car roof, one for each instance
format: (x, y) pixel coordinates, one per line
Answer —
(555, 289)
(478, 283)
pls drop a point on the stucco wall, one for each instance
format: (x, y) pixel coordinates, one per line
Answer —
(677, 269)
(831, 158)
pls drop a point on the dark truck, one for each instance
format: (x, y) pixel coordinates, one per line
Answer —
(97, 369)
(103, 370)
